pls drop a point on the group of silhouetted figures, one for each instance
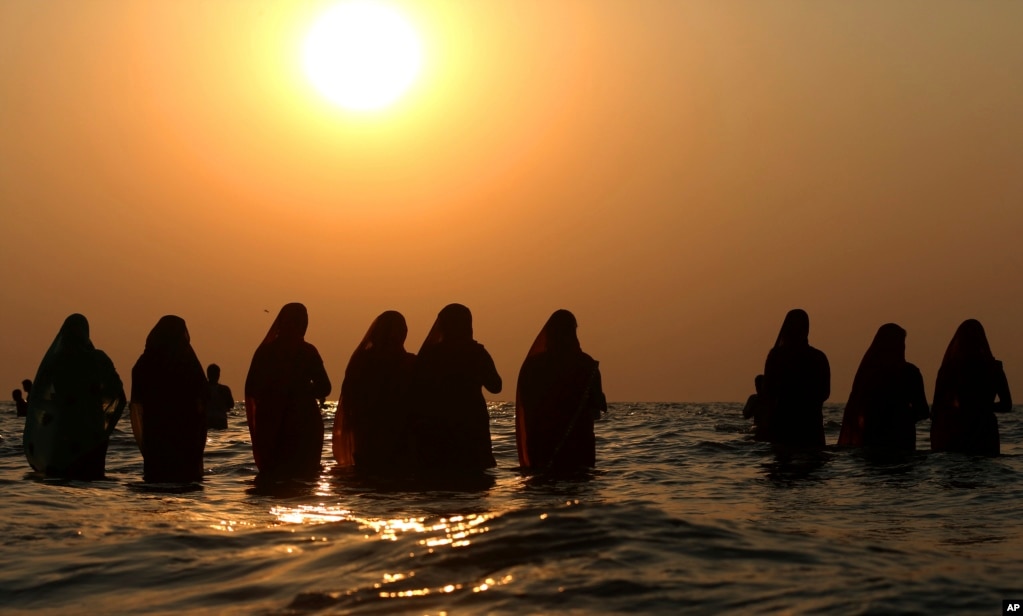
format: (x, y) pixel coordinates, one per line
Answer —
(398, 414)
(887, 397)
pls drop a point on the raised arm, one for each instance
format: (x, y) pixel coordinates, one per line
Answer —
(488, 372)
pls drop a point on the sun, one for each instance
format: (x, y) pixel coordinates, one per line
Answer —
(362, 55)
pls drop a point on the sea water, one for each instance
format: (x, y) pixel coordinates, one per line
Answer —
(684, 514)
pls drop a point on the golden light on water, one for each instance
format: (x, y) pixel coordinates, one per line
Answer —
(310, 514)
(454, 531)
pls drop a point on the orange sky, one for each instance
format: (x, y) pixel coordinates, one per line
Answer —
(678, 174)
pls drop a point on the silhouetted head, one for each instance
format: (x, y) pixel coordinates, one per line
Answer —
(169, 333)
(388, 331)
(795, 330)
(561, 331)
(213, 373)
(890, 342)
(27, 385)
(758, 383)
(969, 344)
(16, 395)
(75, 330)
(558, 335)
(292, 321)
(455, 323)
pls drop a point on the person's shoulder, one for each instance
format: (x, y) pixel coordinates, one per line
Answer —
(102, 358)
(310, 348)
(478, 348)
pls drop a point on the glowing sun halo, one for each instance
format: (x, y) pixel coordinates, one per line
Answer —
(362, 55)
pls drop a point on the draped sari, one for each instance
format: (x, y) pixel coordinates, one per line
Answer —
(169, 393)
(797, 381)
(452, 423)
(887, 397)
(285, 382)
(372, 428)
(969, 382)
(77, 399)
(557, 398)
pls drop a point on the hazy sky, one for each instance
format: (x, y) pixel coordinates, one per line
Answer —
(678, 174)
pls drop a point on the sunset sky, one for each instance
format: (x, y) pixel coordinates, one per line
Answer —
(679, 174)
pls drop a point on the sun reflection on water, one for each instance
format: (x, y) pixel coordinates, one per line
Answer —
(454, 531)
(483, 586)
(430, 534)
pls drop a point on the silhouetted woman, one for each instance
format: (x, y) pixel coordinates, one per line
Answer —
(286, 380)
(371, 427)
(75, 404)
(169, 393)
(887, 397)
(969, 381)
(797, 381)
(453, 428)
(559, 394)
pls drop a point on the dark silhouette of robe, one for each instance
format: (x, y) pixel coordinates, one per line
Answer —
(887, 397)
(969, 381)
(452, 423)
(75, 404)
(169, 393)
(285, 382)
(797, 381)
(558, 396)
(372, 429)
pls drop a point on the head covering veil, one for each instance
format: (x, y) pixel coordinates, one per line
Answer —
(453, 324)
(77, 399)
(168, 361)
(557, 383)
(385, 335)
(288, 327)
(795, 329)
(883, 361)
(285, 381)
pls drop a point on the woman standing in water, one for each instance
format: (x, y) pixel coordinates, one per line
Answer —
(169, 393)
(887, 397)
(797, 381)
(559, 394)
(453, 429)
(285, 382)
(969, 382)
(76, 401)
(371, 426)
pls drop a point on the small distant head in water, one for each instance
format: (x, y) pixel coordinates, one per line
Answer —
(16, 395)
(213, 374)
(27, 386)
